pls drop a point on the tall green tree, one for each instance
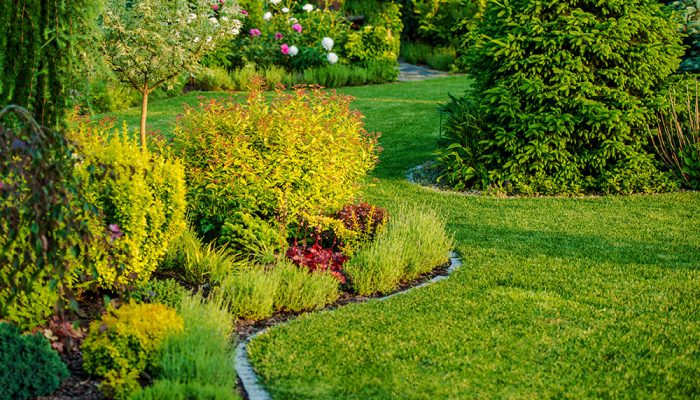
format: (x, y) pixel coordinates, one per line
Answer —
(42, 52)
(149, 43)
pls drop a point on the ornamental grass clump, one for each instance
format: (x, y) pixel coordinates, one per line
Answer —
(563, 97)
(254, 169)
(414, 242)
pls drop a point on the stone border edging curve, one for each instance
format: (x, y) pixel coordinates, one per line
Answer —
(251, 381)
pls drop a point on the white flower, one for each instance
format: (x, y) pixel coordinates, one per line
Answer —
(307, 7)
(332, 58)
(267, 16)
(327, 43)
(275, 2)
(285, 10)
(191, 17)
(292, 20)
(208, 39)
(237, 24)
(214, 21)
(235, 31)
(225, 19)
(177, 34)
(293, 50)
(196, 39)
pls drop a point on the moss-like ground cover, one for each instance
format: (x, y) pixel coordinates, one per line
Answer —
(558, 297)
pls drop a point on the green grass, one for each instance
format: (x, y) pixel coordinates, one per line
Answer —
(558, 297)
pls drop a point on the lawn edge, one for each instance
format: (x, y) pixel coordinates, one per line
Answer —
(250, 381)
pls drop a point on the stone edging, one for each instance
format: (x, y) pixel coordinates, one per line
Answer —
(251, 381)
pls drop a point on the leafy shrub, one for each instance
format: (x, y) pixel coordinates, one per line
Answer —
(303, 153)
(106, 95)
(413, 243)
(141, 199)
(28, 366)
(125, 342)
(372, 44)
(363, 221)
(173, 390)
(201, 353)
(42, 223)
(250, 292)
(300, 290)
(163, 291)
(561, 112)
(214, 79)
(677, 139)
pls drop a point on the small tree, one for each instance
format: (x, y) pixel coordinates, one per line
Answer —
(149, 43)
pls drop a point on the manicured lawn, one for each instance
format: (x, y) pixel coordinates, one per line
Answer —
(558, 297)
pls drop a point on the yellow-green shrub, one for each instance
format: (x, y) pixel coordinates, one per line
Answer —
(141, 199)
(124, 342)
(300, 154)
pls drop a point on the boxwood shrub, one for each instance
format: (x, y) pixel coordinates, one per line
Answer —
(563, 97)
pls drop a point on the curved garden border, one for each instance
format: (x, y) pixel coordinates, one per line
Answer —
(250, 380)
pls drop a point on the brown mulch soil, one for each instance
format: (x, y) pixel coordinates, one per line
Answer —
(81, 386)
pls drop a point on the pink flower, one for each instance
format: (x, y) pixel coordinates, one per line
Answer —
(244, 12)
(297, 27)
(215, 7)
(254, 32)
(284, 49)
(114, 232)
(278, 36)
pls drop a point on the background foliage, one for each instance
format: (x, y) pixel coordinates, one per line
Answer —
(563, 97)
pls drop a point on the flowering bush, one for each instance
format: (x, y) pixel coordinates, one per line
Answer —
(295, 36)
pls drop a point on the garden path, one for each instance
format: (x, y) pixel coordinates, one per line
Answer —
(412, 73)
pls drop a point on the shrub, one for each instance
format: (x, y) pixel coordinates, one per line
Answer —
(677, 139)
(201, 354)
(163, 291)
(141, 198)
(43, 227)
(362, 222)
(125, 342)
(28, 366)
(303, 153)
(173, 390)
(250, 292)
(214, 79)
(372, 44)
(300, 290)
(414, 243)
(563, 93)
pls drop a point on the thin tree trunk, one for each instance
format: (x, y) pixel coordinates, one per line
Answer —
(144, 112)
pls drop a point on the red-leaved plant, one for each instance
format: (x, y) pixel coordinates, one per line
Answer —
(63, 335)
(318, 258)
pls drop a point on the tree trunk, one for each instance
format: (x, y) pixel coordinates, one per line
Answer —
(144, 112)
